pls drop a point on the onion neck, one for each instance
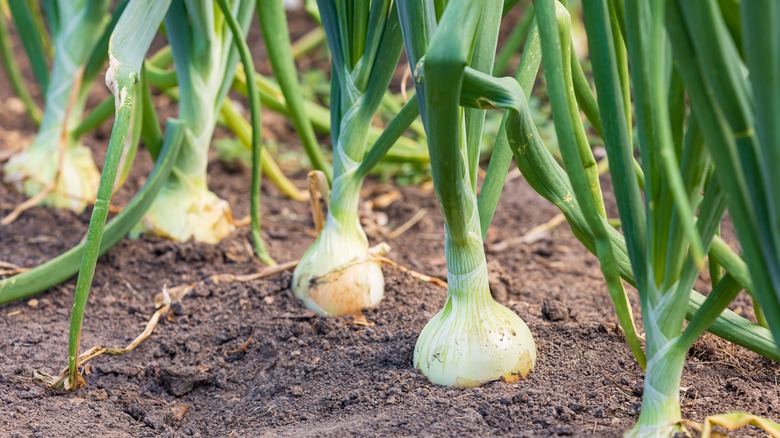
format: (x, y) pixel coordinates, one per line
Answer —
(342, 238)
(467, 273)
(465, 256)
(345, 198)
(192, 160)
(660, 414)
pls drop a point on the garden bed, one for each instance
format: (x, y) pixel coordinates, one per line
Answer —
(301, 374)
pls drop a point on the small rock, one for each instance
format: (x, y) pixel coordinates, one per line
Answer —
(33, 303)
(203, 292)
(179, 309)
(117, 368)
(297, 391)
(178, 411)
(156, 420)
(562, 430)
(192, 346)
(181, 380)
(277, 233)
(543, 248)
(738, 386)
(555, 310)
(564, 414)
(225, 335)
(14, 104)
(498, 290)
(442, 401)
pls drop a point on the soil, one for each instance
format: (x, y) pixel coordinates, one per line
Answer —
(245, 359)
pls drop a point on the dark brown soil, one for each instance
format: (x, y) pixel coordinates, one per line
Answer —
(309, 376)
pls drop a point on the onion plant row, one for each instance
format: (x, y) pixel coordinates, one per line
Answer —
(686, 103)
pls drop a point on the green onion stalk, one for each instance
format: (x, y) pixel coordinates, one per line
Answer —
(127, 81)
(9, 62)
(665, 242)
(669, 229)
(56, 160)
(677, 182)
(735, 102)
(673, 189)
(273, 23)
(337, 275)
(205, 59)
(127, 46)
(545, 175)
(675, 169)
(473, 339)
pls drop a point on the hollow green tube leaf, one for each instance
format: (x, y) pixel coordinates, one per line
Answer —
(128, 46)
(31, 40)
(408, 114)
(276, 36)
(515, 39)
(8, 59)
(616, 131)
(134, 33)
(482, 59)
(97, 59)
(257, 139)
(501, 157)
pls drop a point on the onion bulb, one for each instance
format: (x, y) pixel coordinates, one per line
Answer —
(36, 167)
(473, 339)
(337, 275)
(184, 211)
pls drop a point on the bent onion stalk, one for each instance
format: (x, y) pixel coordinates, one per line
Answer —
(544, 174)
(337, 275)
